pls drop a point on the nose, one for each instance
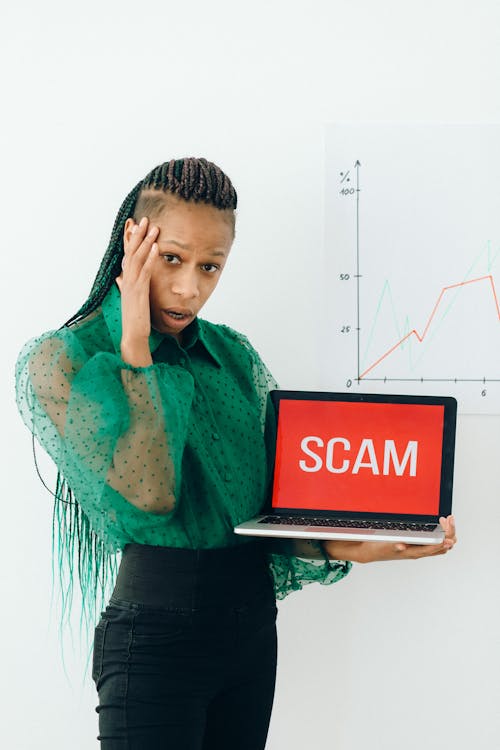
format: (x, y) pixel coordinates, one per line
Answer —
(185, 283)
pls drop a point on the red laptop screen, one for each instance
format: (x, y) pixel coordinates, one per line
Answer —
(358, 456)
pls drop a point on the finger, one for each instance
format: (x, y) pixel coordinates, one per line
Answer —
(136, 236)
(453, 528)
(444, 547)
(139, 256)
(136, 229)
(445, 522)
(134, 260)
(426, 550)
(450, 532)
(148, 263)
(439, 550)
(448, 525)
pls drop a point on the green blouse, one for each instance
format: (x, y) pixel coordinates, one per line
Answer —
(176, 453)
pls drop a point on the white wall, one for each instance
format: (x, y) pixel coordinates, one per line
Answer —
(397, 654)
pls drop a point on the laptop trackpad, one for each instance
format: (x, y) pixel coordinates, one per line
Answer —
(342, 530)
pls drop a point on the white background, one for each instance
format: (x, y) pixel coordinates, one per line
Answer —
(428, 221)
(95, 95)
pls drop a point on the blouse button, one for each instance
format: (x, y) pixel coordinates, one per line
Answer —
(215, 435)
(227, 477)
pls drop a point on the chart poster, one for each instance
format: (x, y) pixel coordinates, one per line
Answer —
(412, 252)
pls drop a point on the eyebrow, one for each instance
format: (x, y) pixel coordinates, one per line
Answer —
(186, 247)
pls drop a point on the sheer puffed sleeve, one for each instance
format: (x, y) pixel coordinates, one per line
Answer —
(293, 563)
(116, 432)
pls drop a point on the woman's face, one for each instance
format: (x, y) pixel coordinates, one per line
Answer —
(193, 245)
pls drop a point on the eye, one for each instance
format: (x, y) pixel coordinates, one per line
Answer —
(171, 258)
(210, 267)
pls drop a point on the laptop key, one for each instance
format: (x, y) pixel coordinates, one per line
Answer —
(349, 523)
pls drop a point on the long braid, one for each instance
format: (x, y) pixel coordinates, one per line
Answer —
(110, 264)
(191, 179)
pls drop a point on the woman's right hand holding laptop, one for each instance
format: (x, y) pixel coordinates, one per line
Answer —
(364, 552)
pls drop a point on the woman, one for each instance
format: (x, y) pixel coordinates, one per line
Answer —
(160, 424)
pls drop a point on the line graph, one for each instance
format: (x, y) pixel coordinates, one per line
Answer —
(412, 243)
(421, 338)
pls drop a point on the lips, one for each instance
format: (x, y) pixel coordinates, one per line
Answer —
(180, 310)
(177, 314)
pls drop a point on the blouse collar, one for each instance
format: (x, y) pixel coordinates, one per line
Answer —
(111, 309)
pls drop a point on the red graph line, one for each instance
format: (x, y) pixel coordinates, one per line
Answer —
(422, 337)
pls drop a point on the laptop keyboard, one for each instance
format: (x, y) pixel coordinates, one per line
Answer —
(349, 523)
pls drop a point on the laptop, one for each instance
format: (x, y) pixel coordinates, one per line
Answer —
(359, 467)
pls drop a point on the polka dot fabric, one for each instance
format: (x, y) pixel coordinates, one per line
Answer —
(176, 453)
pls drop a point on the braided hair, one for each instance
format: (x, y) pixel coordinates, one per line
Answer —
(188, 179)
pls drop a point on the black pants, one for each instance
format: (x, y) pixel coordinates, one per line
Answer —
(185, 652)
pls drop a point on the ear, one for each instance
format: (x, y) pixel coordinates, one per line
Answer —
(127, 231)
